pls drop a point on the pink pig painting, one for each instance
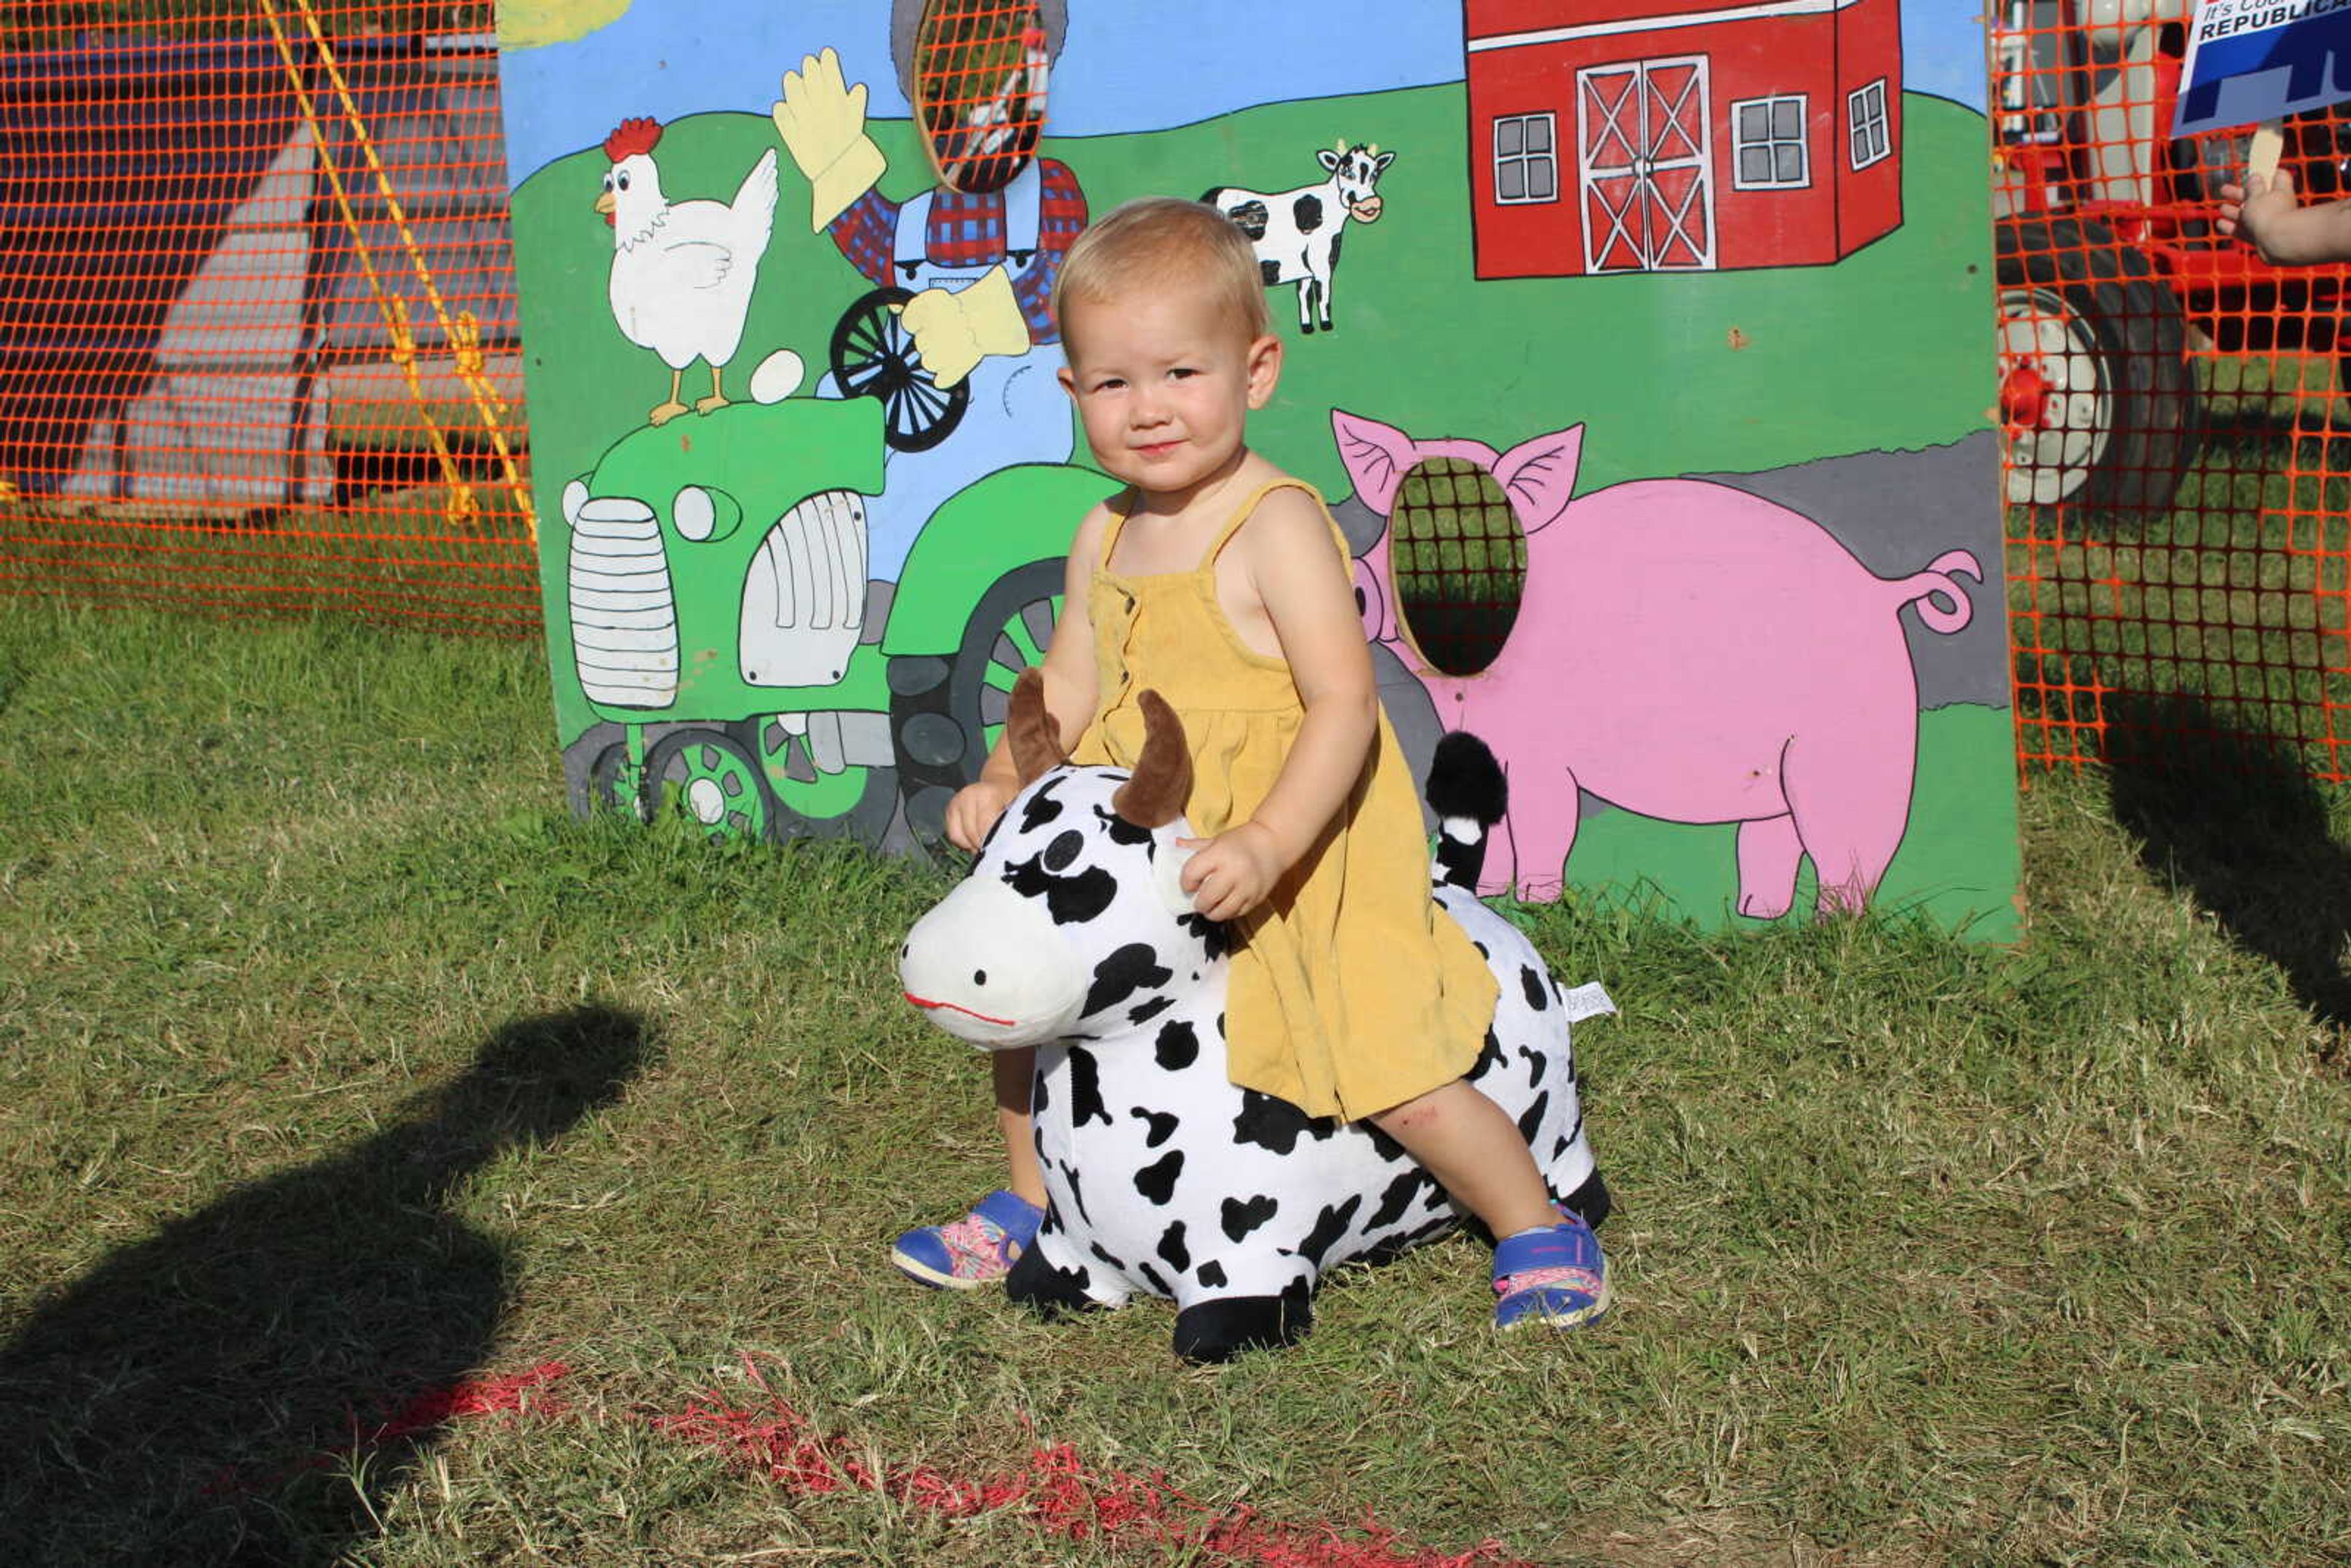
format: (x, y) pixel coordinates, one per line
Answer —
(1685, 650)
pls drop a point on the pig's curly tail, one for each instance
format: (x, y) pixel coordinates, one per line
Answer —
(1942, 603)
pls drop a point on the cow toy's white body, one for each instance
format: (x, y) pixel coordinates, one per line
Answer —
(1164, 1178)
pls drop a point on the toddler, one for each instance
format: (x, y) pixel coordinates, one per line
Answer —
(1222, 583)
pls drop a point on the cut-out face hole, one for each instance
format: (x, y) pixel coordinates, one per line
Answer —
(1460, 560)
(980, 69)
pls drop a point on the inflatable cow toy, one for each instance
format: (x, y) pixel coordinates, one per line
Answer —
(1072, 935)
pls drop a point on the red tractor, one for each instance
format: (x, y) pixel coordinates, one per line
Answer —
(2111, 273)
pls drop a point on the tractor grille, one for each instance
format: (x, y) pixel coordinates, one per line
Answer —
(623, 610)
(804, 596)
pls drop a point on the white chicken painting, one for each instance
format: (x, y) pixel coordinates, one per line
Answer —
(682, 271)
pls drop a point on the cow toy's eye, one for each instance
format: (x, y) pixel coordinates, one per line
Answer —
(979, 976)
(1063, 850)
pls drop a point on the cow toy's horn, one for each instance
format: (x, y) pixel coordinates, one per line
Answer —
(1162, 781)
(1030, 730)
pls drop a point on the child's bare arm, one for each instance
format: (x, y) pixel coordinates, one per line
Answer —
(1287, 554)
(1070, 693)
(2285, 232)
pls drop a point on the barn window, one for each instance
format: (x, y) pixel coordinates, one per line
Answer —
(1865, 118)
(1526, 160)
(1767, 137)
(1459, 560)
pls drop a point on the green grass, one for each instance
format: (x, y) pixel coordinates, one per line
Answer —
(336, 1060)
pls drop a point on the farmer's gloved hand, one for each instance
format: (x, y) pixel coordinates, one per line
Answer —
(822, 122)
(953, 332)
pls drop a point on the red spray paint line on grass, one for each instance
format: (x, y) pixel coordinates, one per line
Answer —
(1055, 1492)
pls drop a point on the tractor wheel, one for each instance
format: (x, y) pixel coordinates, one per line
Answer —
(873, 356)
(613, 785)
(710, 778)
(946, 713)
(854, 801)
(2097, 401)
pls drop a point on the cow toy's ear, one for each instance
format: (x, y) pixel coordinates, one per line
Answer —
(1162, 780)
(1030, 730)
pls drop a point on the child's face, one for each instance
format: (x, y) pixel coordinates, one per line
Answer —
(1164, 382)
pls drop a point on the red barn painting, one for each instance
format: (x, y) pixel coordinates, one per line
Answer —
(1681, 135)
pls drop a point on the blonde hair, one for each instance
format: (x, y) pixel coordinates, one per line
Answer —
(1159, 242)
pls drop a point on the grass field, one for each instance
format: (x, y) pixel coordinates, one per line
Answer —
(341, 1065)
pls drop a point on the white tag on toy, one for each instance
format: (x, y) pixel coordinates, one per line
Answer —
(1167, 874)
(1586, 1000)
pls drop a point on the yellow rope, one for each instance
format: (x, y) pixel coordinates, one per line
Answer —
(463, 334)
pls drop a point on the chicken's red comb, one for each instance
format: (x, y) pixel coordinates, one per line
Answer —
(638, 135)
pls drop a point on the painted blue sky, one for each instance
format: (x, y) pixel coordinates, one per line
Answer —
(1125, 67)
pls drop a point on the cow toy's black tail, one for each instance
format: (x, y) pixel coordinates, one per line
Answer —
(1468, 794)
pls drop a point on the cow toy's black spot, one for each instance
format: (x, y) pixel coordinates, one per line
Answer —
(1156, 1181)
(1144, 1012)
(1213, 936)
(1122, 832)
(1132, 969)
(1085, 1089)
(1058, 856)
(1395, 1199)
(1240, 1218)
(1329, 1225)
(1212, 1275)
(1531, 981)
(1152, 1277)
(1177, 1046)
(1533, 1117)
(1070, 900)
(1172, 1248)
(1042, 807)
(1537, 1063)
(1162, 1126)
(1276, 1124)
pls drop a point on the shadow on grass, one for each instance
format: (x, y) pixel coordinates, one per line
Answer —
(2234, 819)
(207, 1394)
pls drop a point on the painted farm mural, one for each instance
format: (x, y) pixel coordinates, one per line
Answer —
(1652, 405)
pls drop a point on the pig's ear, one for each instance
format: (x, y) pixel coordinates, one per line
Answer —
(1376, 456)
(1539, 475)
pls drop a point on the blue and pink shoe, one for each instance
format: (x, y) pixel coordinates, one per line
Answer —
(977, 1249)
(1554, 1276)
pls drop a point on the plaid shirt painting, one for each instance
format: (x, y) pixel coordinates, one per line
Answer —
(966, 230)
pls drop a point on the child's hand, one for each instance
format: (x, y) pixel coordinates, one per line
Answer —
(2265, 209)
(974, 811)
(1233, 872)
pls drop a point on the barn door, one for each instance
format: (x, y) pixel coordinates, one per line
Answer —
(1644, 159)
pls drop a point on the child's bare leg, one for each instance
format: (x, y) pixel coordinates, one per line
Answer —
(1472, 1147)
(1013, 1070)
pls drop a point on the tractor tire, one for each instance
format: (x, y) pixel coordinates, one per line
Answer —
(945, 712)
(2098, 406)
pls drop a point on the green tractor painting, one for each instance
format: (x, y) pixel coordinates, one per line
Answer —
(742, 668)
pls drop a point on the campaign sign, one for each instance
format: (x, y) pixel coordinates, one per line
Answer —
(2251, 60)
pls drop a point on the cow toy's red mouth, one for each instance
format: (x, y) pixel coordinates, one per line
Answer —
(929, 1006)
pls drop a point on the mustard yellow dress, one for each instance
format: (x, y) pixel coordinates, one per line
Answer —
(1350, 991)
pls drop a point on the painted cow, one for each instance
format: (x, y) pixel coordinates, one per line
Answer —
(1296, 232)
(1165, 1178)
(1685, 650)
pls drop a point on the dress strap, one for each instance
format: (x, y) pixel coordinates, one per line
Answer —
(1248, 509)
(1118, 517)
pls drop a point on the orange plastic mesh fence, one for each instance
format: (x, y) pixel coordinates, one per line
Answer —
(2176, 431)
(258, 344)
(981, 76)
(257, 347)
